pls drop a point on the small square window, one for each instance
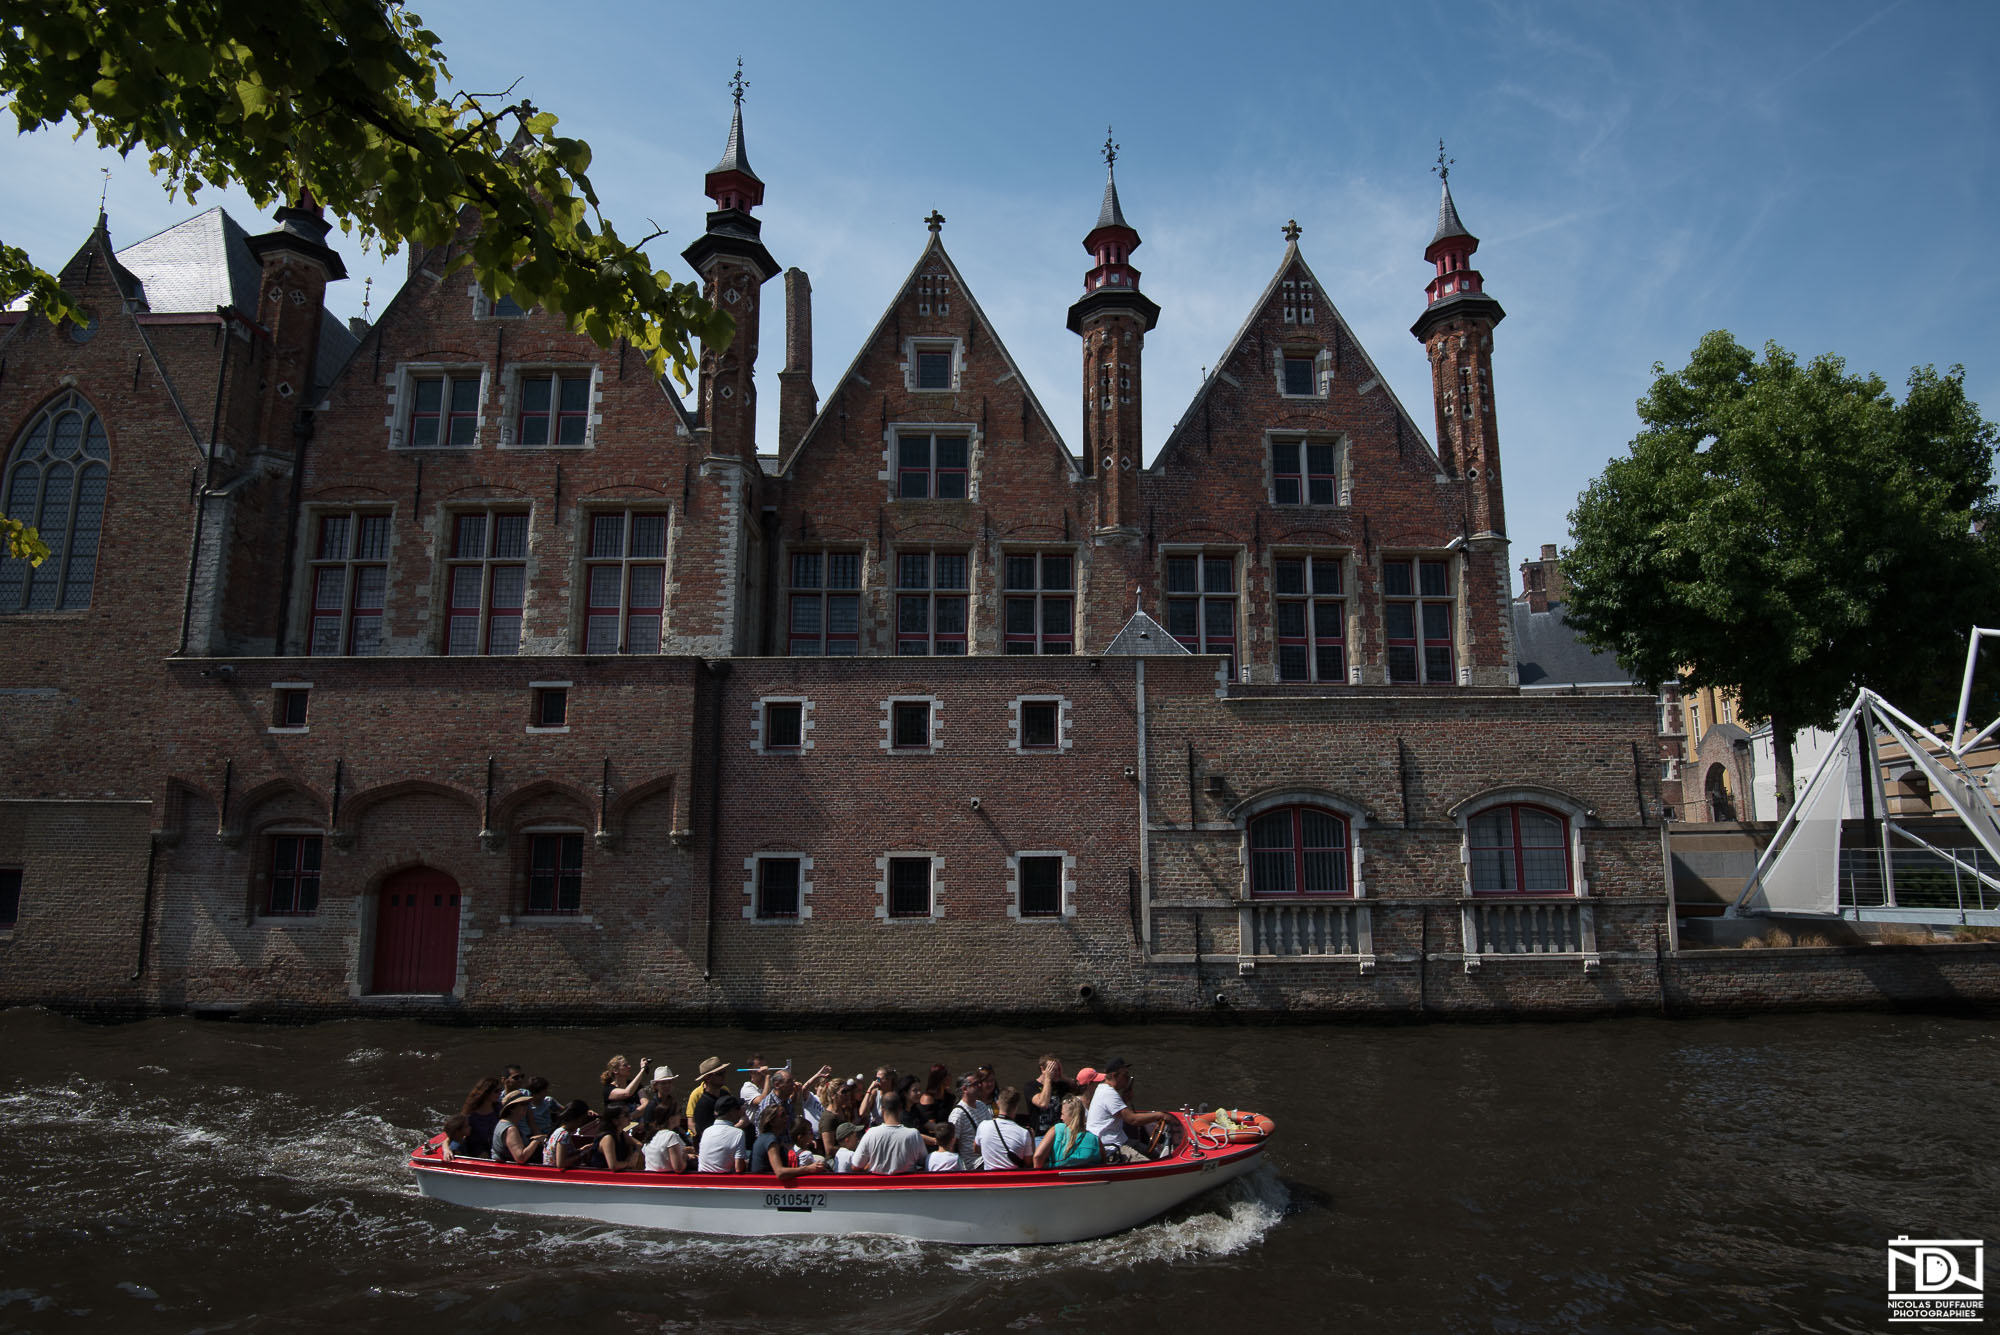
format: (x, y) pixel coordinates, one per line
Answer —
(1041, 887)
(291, 709)
(782, 726)
(1039, 719)
(909, 887)
(778, 887)
(1299, 377)
(10, 897)
(912, 724)
(551, 707)
(934, 369)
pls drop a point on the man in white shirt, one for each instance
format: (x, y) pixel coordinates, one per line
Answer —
(891, 1147)
(967, 1116)
(1003, 1142)
(1112, 1122)
(722, 1149)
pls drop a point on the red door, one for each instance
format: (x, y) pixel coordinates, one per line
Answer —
(416, 932)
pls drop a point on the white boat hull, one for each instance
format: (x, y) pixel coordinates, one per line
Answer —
(975, 1208)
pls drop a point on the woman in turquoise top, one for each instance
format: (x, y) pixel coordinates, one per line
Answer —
(1067, 1144)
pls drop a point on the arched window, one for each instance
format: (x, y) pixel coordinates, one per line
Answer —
(1519, 850)
(1299, 850)
(55, 482)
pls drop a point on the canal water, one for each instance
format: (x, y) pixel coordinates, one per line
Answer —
(1629, 1175)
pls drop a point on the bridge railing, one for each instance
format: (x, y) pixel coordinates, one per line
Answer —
(1923, 879)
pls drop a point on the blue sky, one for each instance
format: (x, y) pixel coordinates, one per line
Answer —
(1818, 174)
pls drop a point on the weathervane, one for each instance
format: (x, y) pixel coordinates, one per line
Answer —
(1110, 151)
(367, 285)
(1443, 169)
(739, 83)
(101, 194)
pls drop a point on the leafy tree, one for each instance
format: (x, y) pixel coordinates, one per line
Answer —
(1791, 532)
(342, 98)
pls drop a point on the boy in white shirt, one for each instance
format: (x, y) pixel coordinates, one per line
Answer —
(943, 1159)
(847, 1135)
(1003, 1142)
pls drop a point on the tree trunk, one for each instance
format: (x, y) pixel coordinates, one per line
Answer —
(1781, 755)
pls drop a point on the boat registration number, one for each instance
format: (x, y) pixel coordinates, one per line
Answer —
(806, 1201)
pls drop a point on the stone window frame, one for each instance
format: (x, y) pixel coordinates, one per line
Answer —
(824, 592)
(511, 375)
(1067, 896)
(1321, 357)
(1065, 724)
(400, 381)
(1575, 816)
(882, 863)
(887, 741)
(312, 517)
(1354, 813)
(537, 691)
(951, 344)
(1453, 596)
(890, 475)
(448, 561)
(281, 694)
(1350, 570)
(753, 869)
(583, 561)
(485, 307)
(1005, 593)
(262, 870)
(1343, 468)
(1238, 554)
(35, 453)
(805, 704)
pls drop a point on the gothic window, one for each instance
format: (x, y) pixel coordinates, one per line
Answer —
(626, 579)
(350, 583)
(1311, 619)
(1520, 850)
(826, 604)
(1417, 616)
(1040, 603)
(55, 483)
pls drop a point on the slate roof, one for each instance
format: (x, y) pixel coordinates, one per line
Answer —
(205, 262)
(1549, 654)
(1111, 215)
(734, 157)
(1448, 223)
(1143, 635)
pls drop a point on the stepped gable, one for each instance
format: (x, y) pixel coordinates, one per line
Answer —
(1010, 402)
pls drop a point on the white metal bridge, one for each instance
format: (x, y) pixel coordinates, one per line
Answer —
(1948, 873)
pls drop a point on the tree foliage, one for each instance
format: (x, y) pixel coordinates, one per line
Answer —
(1791, 532)
(343, 98)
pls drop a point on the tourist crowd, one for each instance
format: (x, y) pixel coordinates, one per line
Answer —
(780, 1123)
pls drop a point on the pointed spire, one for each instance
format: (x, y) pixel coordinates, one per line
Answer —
(734, 157)
(1448, 223)
(1110, 215)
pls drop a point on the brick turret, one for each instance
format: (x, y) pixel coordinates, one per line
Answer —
(1113, 317)
(1457, 330)
(733, 264)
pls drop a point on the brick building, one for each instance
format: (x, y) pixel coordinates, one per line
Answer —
(453, 664)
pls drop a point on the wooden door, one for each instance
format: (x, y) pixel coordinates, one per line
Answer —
(416, 932)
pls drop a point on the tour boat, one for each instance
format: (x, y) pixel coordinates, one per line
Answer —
(1023, 1206)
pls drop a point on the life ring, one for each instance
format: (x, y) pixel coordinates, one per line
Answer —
(1227, 1127)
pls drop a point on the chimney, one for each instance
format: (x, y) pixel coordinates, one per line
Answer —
(1542, 581)
(357, 326)
(798, 401)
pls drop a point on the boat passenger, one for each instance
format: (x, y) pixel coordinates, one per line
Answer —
(659, 1090)
(709, 1092)
(1003, 1141)
(890, 1148)
(622, 1081)
(943, 1159)
(845, 1137)
(759, 1080)
(568, 1144)
(1069, 1144)
(660, 1136)
(934, 1103)
(616, 1149)
(1045, 1104)
(770, 1154)
(456, 1128)
(482, 1107)
(1112, 1122)
(721, 1145)
(968, 1115)
(512, 1142)
(512, 1078)
(883, 1085)
(542, 1113)
(843, 1104)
